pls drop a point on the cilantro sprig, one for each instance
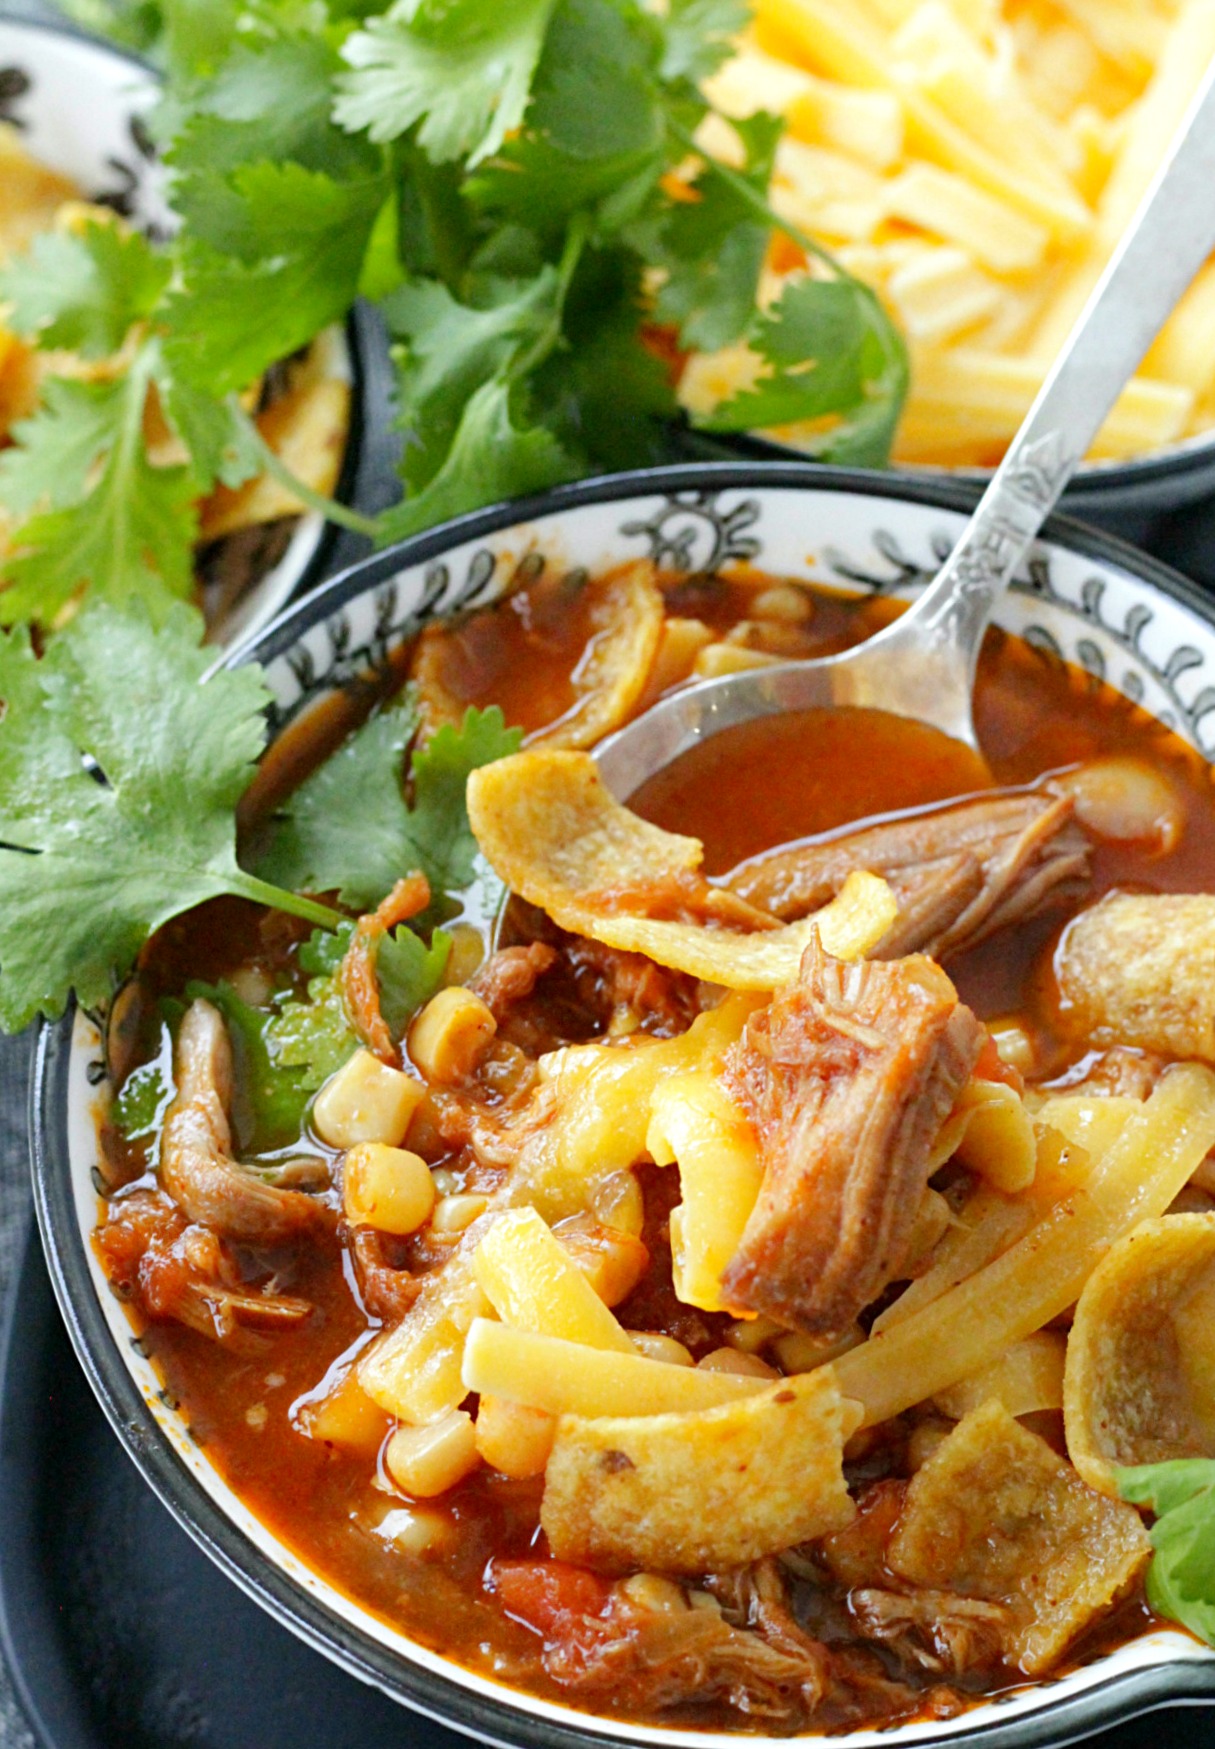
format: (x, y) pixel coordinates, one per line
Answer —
(1181, 1578)
(124, 751)
(123, 754)
(521, 188)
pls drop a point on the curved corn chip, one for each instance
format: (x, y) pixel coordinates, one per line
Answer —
(556, 835)
(1140, 1381)
(626, 619)
(696, 1492)
(1133, 970)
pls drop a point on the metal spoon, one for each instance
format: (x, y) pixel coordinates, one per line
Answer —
(923, 665)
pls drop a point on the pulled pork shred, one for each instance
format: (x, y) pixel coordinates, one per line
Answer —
(750, 1653)
(958, 875)
(360, 988)
(847, 1076)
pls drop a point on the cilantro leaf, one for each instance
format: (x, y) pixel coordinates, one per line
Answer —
(83, 291)
(594, 132)
(830, 349)
(463, 70)
(268, 1096)
(603, 392)
(409, 973)
(1181, 1578)
(123, 753)
(145, 1095)
(315, 1036)
(491, 458)
(712, 248)
(131, 535)
(348, 827)
(699, 36)
(438, 821)
(452, 348)
(302, 237)
(53, 451)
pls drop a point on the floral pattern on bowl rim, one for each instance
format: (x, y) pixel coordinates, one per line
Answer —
(1080, 596)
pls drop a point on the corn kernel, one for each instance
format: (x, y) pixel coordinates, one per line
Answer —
(750, 1334)
(655, 1346)
(347, 1417)
(513, 1438)
(704, 1600)
(414, 1532)
(785, 601)
(799, 1352)
(613, 1262)
(365, 1101)
(449, 1036)
(717, 659)
(425, 1461)
(454, 1214)
(387, 1188)
(731, 1360)
(1013, 1045)
(652, 1591)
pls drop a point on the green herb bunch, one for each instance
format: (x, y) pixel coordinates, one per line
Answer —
(516, 185)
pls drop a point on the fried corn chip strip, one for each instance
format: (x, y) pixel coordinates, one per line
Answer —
(698, 1492)
(1139, 1387)
(626, 617)
(556, 835)
(995, 1514)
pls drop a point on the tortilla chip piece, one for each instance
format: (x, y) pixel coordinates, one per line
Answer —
(994, 1514)
(1139, 1386)
(30, 194)
(556, 835)
(306, 428)
(626, 630)
(1136, 969)
(704, 1491)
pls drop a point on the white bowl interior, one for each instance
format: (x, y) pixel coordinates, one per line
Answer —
(1098, 615)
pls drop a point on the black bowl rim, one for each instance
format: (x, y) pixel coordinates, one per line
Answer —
(364, 339)
(1106, 487)
(442, 1698)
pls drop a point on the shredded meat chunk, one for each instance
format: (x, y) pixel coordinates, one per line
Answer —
(848, 1076)
(178, 1270)
(958, 875)
(510, 975)
(360, 986)
(934, 1629)
(387, 1290)
(750, 1653)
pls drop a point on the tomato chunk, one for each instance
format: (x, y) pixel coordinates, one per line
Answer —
(564, 1603)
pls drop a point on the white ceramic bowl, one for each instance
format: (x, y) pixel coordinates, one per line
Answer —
(1104, 607)
(80, 107)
